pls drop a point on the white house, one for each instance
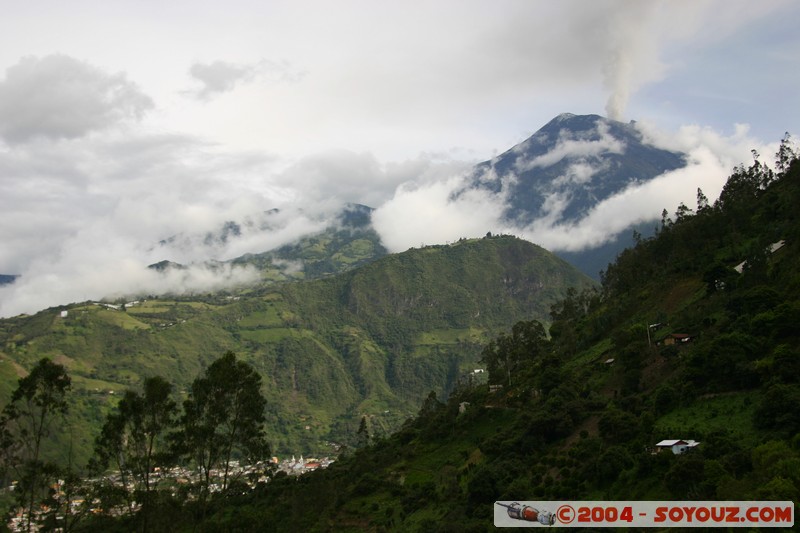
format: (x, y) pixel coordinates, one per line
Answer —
(678, 446)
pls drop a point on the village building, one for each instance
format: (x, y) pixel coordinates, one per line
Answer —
(676, 338)
(678, 446)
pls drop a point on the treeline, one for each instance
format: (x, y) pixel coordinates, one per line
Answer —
(756, 208)
(124, 486)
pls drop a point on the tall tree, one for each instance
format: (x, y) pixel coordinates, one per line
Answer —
(134, 439)
(224, 415)
(362, 435)
(505, 355)
(39, 400)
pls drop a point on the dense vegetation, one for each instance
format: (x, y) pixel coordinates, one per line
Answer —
(570, 423)
(373, 341)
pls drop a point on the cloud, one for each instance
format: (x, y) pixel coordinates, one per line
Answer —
(580, 173)
(78, 206)
(246, 232)
(430, 214)
(221, 76)
(335, 177)
(634, 205)
(95, 264)
(59, 97)
(575, 147)
(83, 217)
(711, 158)
(441, 211)
(81, 149)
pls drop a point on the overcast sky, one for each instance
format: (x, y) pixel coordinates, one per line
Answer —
(125, 123)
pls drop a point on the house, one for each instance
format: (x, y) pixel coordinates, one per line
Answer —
(774, 247)
(676, 338)
(678, 446)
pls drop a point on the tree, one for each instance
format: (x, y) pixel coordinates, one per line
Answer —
(778, 410)
(40, 399)
(134, 439)
(702, 201)
(223, 415)
(504, 355)
(786, 154)
(362, 435)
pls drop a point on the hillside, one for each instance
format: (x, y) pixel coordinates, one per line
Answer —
(372, 341)
(347, 242)
(693, 336)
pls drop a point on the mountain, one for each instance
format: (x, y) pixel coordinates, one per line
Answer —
(7, 279)
(373, 340)
(583, 159)
(569, 166)
(693, 336)
(350, 241)
(345, 241)
(561, 172)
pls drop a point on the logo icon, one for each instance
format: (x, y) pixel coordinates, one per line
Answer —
(529, 514)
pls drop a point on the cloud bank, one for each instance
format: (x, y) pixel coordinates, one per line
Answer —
(111, 143)
(439, 212)
(88, 202)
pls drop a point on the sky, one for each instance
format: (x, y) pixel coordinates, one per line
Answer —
(126, 123)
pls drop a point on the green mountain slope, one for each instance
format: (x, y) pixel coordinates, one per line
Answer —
(336, 249)
(693, 336)
(373, 341)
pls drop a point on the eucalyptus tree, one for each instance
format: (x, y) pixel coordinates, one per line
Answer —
(134, 440)
(224, 416)
(37, 404)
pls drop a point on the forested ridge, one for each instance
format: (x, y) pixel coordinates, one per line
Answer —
(374, 340)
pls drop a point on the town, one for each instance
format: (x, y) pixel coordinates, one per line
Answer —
(179, 481)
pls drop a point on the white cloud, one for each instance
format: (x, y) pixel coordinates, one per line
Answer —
(334, 177)
(439, 211)
(575, 147)
(636, 204)
(222, 76)
(579, 173)
(711, 158)
(59, 97)
(384, 94)
(95, 264)
(219, 77)
(429, 214)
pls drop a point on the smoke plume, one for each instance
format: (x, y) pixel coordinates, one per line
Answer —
(632, 57)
